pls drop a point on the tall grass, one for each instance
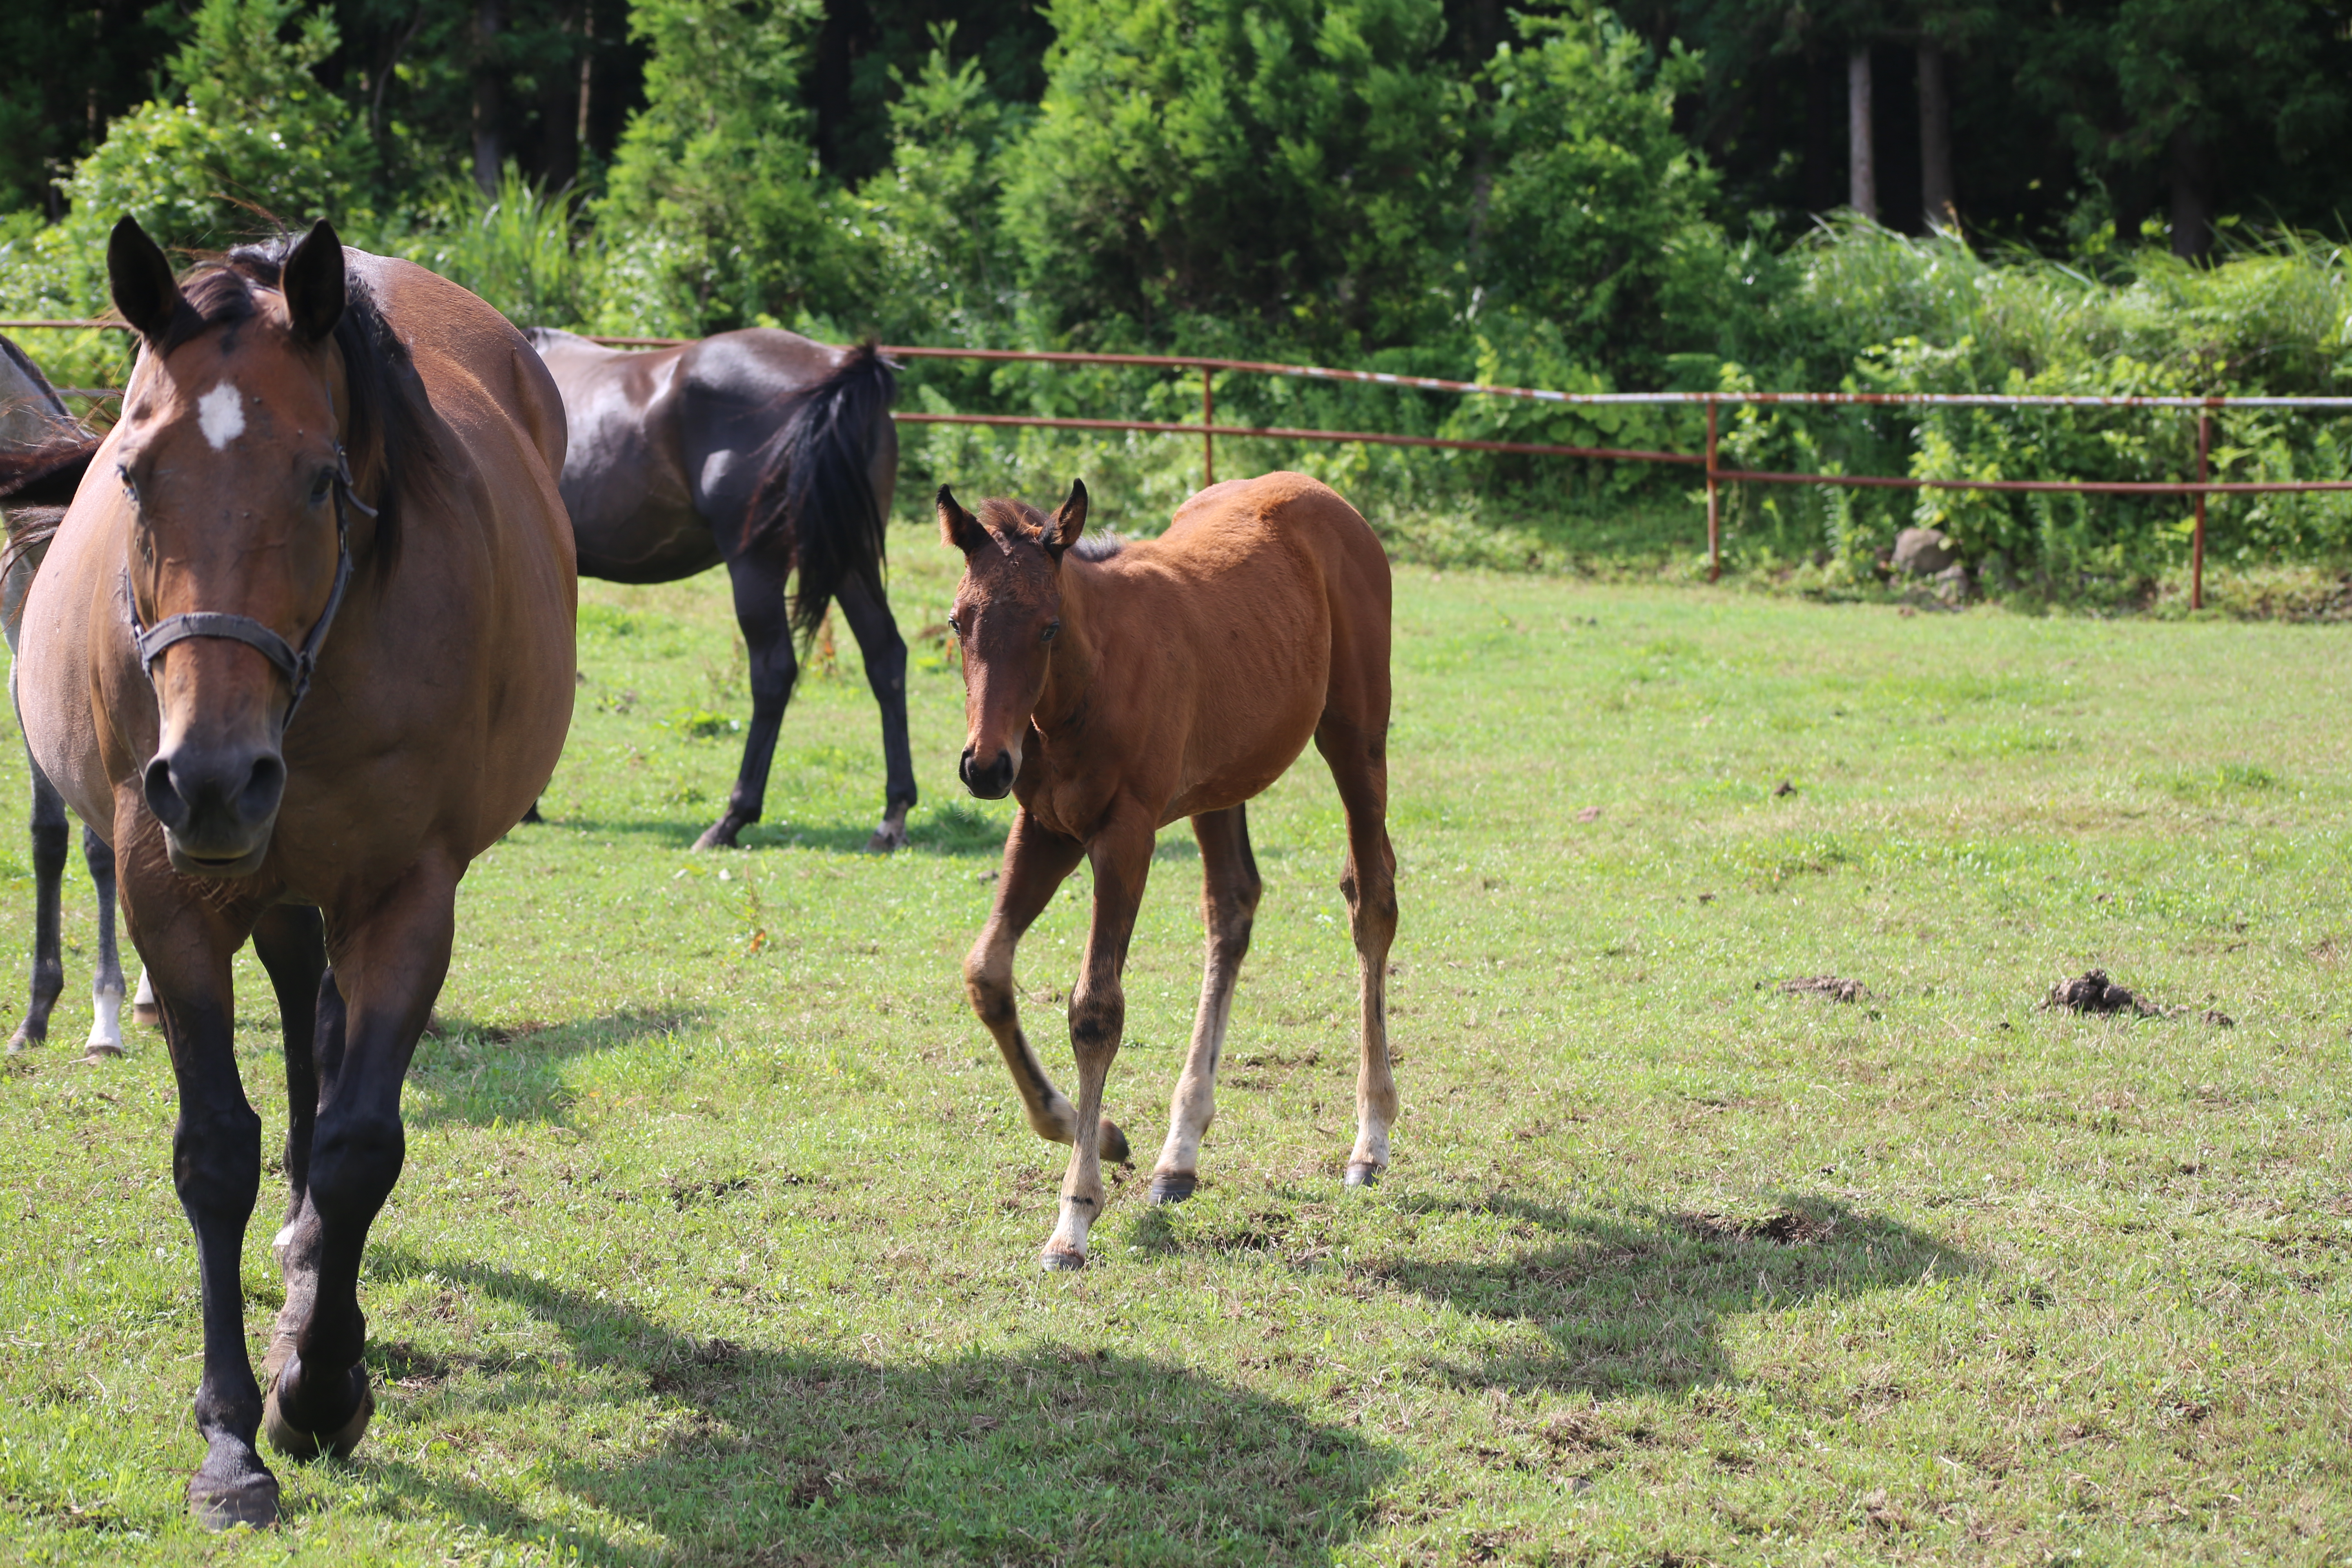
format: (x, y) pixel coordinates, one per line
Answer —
(530, 251)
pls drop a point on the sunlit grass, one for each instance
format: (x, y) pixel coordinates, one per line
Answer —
(715, 1242)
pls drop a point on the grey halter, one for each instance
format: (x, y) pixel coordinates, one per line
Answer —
(297, 664)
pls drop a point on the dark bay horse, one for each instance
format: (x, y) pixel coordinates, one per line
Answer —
(301, 649)
(768, 452)
(46, 449)
(1113, 689)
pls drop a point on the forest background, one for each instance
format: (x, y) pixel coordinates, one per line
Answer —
(2130, 196)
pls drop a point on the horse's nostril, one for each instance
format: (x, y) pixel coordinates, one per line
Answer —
(263, 787)
(164, 796)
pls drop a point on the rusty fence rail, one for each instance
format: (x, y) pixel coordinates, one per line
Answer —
(1717, 475)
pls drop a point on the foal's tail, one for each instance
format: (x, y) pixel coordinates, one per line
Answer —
(815, 488)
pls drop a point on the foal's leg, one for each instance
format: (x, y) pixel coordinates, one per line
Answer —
(291, 940)
(1121, 854)
(393, 952)
(48, 979)
(106, 986)
(145, 1011)
(1229, 891)
(768, 633)
(1358, 756)
(1037, 863)
(885, 653)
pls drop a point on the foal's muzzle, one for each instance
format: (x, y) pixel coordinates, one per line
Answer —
(219, 804)
(991, 780)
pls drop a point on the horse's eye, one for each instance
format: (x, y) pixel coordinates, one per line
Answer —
(129, 485)
(955, 625)
(1047, 635)
(322, 486)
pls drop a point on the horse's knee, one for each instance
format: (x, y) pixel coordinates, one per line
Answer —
(990, 991)
(353, 1164)
(1097, 1018)
(216, 1160)
(49, 842)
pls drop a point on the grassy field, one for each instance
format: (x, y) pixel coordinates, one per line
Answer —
(717, 1242)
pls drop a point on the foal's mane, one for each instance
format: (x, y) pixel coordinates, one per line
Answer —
(1009, 518)
(388, 423)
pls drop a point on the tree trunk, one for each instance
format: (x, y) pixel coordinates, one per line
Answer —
(1862, 162)
(587, 70)
(1936, 140)
(489, 149)
(2192, 197)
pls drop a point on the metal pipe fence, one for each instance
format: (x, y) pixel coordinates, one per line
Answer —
(1717, 475)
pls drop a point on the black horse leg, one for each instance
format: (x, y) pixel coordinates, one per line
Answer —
(768, 634)
(291, 942)
(49, 833)
(885, 652)
(106, 986)
(216, 1169)
(394, 956)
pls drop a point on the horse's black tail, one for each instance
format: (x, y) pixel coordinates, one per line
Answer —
(815, 483)
(47, 474)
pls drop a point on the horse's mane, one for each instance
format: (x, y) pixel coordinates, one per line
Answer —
(1010, 519)
(387, 428)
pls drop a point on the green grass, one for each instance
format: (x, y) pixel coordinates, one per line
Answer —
(717, 1239)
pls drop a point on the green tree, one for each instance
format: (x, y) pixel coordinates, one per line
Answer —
(248, 137)
(1283, 170)
(716, 215)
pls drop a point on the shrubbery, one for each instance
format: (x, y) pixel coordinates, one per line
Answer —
(1302, 180)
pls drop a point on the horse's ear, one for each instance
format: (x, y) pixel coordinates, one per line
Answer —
(1068, 522)
(958, 527)
(144, 290)
(312, 282)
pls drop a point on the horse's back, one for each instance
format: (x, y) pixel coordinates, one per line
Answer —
(484, 376)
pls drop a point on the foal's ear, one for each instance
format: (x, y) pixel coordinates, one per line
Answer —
(1068, 522)
(144, 290)
(312, 282)
(958, 527)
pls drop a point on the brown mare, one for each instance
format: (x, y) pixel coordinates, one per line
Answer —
(1114, 687)
(302, 648)
(768, 452)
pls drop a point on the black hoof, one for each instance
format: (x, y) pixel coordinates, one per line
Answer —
(1363, 1175)
(1112, 1143)
(1173, 1188)
(531, 817)
(1061, 1258)
(718, 835)
(249, 1500)
(296, 1444)
(891, 836)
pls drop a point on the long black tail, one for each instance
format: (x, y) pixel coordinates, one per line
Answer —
(815, 483)
(36, 484)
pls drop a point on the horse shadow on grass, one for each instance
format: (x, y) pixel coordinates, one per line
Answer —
(955, 830)
(1626, 1299)
(772, 1453)
(472, 1072)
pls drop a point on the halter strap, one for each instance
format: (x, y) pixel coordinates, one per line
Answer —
(297, 664)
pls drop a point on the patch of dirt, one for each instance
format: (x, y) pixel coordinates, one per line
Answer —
(2219, 1019)
(1828, 985)
(1577, 1431)
(2095, 992)
(1784, 1229)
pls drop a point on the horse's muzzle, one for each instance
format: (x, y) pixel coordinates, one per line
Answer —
(991, 780)
(218, 805)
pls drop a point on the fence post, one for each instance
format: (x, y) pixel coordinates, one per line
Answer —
(2196, 542)
(1714, 511)
(1208, 417)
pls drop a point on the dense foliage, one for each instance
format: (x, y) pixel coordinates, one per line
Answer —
(1569, 197)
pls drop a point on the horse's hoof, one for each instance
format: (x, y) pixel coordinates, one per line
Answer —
(250, 1501)
(21, 1042)
(101, 1051)
(1173, 1187)
(296, 1444)
(891, 836)
(1362, 1174)
(1112, 1143)
(721, 835)
(147, 1015)
(1061, 1258)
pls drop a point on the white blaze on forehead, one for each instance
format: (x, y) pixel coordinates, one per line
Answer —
(220, 414)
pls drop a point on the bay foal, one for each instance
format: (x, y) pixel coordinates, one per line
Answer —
(1113, 688)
